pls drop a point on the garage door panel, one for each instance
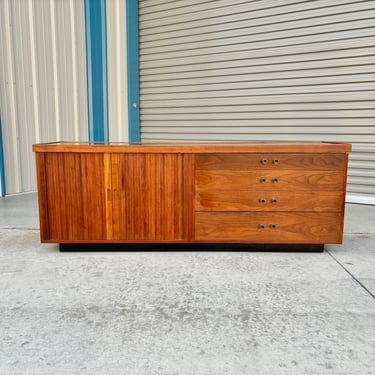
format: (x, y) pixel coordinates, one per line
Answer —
(262, 71)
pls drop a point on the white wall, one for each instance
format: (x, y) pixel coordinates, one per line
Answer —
(117, 76)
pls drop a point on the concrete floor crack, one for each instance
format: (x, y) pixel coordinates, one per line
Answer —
(352, 276)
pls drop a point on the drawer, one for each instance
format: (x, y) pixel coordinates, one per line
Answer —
(270, 161)
(268, 227)
(269, 180)
(246, 200)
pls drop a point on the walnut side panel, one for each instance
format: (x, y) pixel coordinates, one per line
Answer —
(344, 196)
(42, 196)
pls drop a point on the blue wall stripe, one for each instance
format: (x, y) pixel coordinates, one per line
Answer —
(132, 69)
(96, 67)
(2, 164)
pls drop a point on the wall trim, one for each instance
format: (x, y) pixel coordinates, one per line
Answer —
(3, 188)
(350, 198)
(133, 69)
(97, 71)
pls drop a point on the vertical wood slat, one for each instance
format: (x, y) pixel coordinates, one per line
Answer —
(115, 195)
(56, 195)
(150, 195)
(73, 200)
(96, 198)
(178, 191)
(188, 196)
(159, 219)
(168, 178)
(150, 204)
(105, 196)
(76, 196)
(108, 195)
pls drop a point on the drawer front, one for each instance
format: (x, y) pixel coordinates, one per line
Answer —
(271, 161)
(245, 200)
(269, 180)
(268, 227)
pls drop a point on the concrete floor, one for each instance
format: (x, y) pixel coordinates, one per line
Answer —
(185, 312)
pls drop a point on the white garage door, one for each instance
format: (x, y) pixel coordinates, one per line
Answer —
(262, 70)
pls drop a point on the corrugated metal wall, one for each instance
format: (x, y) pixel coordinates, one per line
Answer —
(117, 78)
(272, 70)
(262, 70)
(42, 81)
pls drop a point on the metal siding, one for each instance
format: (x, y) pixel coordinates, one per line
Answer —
(9, 113)
(96, 54)
(42, 81)
(262, 71)
(117, 65)
(132, 50)
(3, 189)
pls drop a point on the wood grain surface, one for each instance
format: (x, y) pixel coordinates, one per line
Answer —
(196, 147)
(149, 197)
(248, 200)
(273, 161)
(188, 174)
(42, 195)
(76, 196)
(192, 193)
(252, 180)
(293, 227)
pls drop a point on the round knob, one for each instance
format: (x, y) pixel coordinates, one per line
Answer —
(261, 226)
(262, 200)
(273, 226)
(274, 201)
(276, 161)
(275, 180)
(264, 161)
(263, 180)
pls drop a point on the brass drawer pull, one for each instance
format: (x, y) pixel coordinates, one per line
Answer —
(273, 226)
(275, 180)
(262, 226)
(263, 180)
(276, 161)
(264, 161)
(262, 200)
(274, 200)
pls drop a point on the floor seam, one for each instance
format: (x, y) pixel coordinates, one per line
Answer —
(358, 233)
(17, 228)
(352, 276)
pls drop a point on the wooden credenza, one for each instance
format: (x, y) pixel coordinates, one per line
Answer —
(239, 193)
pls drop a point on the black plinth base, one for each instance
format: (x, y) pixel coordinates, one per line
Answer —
(191, 247)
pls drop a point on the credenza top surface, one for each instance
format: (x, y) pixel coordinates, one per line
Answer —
(194, 147)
